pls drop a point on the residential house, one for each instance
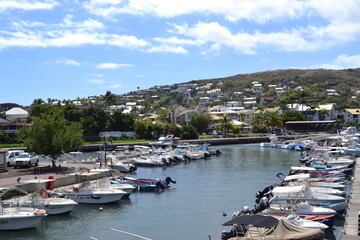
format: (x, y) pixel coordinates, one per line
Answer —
(77, 103)
(184, 117)
(249, 102)
(313, 114)
(332, 92)
(351, 114)
(257, 88)
(7, 106)
(10, 127)
(267, 100)
(279, 91)
(15, 114)
(232, 104)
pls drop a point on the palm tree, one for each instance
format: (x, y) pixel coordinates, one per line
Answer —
(322, 113)
(313, 108)
(242, 116)
(225, 124)
(110, 98)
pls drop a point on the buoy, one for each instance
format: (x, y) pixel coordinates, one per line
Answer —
(101, 209)
(224, 214)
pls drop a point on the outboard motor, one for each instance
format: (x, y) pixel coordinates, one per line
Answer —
(218, 152)
(263, 204)
(164, 161)
(168, 180)
(206, 155)
(159, 184)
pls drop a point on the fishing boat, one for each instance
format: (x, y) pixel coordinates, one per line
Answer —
(16, 218)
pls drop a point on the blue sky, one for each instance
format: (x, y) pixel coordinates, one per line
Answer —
(64, 49)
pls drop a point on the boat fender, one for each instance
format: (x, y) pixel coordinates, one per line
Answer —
(40, 212)
(44, 194)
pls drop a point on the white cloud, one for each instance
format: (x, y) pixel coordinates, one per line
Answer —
(112, 65)
(68, 62)
(178, 41)
(96, 81)
(233, 10)
(65, 34)
(348, 61)
(342, 61)
(27, 5)
(336, 22)
(96, 75)
(116, 85)
(168, 49)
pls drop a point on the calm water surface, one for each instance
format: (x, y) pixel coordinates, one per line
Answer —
(191, 209)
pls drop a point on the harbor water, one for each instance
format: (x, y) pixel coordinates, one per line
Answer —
(206, 194)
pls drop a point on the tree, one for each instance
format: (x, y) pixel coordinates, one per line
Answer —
(110, 98)
(323, 113)
(95, 120)
(242, 116)
(225, 124)
(51, 135)
(201, 121)
(71, 113)
(121, 122)
(189, 132)
(292, 116)
(275, 121)
(164, 115)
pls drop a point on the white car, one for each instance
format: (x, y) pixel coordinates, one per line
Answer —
(26, 160)
(11, 155)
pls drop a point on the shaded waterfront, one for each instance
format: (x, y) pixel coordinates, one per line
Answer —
(191, 209)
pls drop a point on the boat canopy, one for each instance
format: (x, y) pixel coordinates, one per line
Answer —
(254, 220)
(302, 176)
(303, 168)
(288, 190)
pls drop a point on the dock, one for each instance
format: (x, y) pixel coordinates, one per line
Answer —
(351, 228)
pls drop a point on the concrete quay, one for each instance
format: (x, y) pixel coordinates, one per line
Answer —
(30, 183)
(352, 223)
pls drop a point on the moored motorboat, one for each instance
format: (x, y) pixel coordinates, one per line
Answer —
(297, 220)
(16, 218)
(52, 206)
(90, 195)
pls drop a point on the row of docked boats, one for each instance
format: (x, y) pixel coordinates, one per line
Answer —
(311, 196)
(27, 211)
(162, 157)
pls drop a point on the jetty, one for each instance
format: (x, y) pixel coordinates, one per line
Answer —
(351, 228)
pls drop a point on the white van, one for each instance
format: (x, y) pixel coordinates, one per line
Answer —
(11, 155)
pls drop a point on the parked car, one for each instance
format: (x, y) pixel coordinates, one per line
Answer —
(11, 155)
(26, 160)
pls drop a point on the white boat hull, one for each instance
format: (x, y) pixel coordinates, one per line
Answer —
(95, 198)
(16, 220)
